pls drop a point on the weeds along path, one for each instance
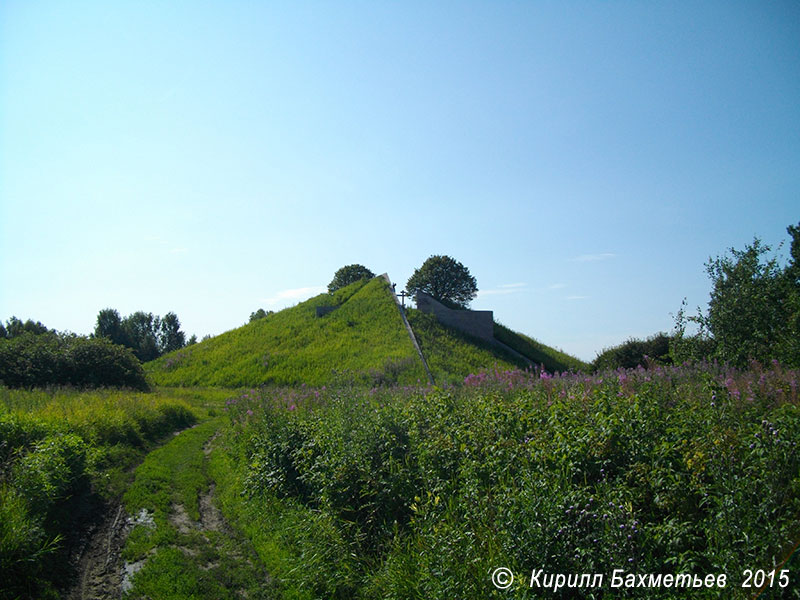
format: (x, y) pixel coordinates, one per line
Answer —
(180, 545)
(96, 555)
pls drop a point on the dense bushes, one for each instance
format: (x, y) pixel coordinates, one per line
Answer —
(753, 312)
(422, 493)
(635, 353)
(30, 360)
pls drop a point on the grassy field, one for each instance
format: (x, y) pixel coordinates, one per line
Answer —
(423, 493)
(62, 454)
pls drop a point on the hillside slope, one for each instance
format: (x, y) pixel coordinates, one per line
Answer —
(453, 355)
(551, 359)
(363, 337)
(362, 340)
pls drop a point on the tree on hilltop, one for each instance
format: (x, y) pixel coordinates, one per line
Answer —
(347, 275)
(259, 314)
(445, 279)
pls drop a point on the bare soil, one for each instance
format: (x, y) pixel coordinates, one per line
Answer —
(97, 560)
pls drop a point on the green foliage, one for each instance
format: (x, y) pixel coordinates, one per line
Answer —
(667, 470)
(147, 335)
(747, 314)
(445, 279)
(347, 275)
(15, 327)
(30, 360)
(109, 326)
(56, 449)
(259, 314)
(170, 336)
(635, 353)
(364, 337)
(753, 312)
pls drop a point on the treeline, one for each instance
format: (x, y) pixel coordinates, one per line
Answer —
(753, 314)
(148, 335)
(33, 355)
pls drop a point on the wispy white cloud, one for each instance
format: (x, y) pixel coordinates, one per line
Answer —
(556, 286)
(179, 250)
(513, 285)
(576, 298)
(294, 294)
(593, 257)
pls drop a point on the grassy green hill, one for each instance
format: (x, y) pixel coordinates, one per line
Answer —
(362, 339)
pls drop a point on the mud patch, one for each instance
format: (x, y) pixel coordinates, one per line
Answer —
(180, 519)
(211, 518)
(98, 562)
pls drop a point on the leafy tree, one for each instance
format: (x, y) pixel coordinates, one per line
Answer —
(170, 336)
(109, 325)
(445, 279)
(347, 275)
(259, 314)
(754, 309)
(15, 327)
(141, 329)
(192, 340)
(684, 347)
(747, 312)
(148, 335)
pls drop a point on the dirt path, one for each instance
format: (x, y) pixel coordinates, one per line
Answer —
(96, 555)
(203, 556)
(98, 560)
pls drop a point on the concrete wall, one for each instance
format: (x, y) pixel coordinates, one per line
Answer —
(324, 310)
(478, 323)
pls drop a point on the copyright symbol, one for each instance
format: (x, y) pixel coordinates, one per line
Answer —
(502, 578)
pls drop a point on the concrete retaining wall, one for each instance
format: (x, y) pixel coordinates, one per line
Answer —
(477, 323)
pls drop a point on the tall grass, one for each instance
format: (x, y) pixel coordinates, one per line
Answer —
(59, 450)
(422, 493)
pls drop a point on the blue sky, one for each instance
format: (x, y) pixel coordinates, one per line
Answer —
(582, 159)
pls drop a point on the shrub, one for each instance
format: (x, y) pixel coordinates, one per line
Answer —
(60, 359)
(634, 353)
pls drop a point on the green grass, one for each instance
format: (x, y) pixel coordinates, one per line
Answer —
(553, 361)
(61, 452)
(363, 338)
(188, 562)
(452, 355)
(285, 534)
